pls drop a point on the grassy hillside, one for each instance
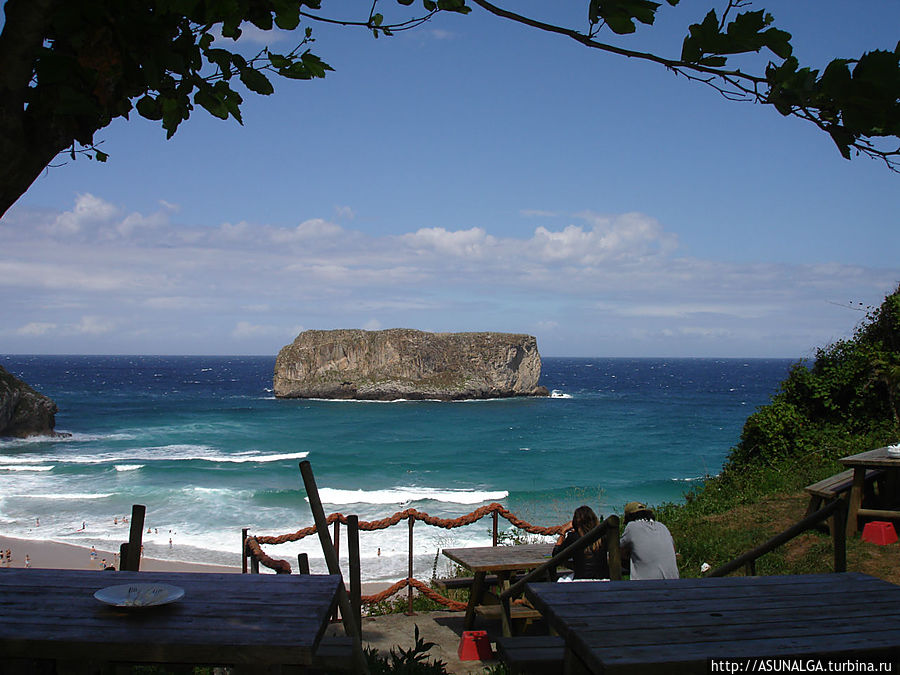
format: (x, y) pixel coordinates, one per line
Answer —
(843, 402)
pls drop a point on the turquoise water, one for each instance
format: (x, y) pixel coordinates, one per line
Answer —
(203, 443)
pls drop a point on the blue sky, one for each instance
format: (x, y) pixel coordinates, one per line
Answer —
(470, 175)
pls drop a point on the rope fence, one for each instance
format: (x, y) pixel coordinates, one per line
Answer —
(254, 555)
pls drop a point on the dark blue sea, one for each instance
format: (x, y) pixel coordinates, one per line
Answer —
(203, 443)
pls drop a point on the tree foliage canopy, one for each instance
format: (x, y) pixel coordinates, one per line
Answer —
(69, 67)
(850, 391)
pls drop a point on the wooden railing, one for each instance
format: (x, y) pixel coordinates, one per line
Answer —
(835, 508)
(608, 528)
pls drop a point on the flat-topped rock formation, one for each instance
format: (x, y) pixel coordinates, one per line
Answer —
(402, 363)
(23, 411)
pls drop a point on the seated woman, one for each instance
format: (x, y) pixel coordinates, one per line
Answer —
(648, 543)
(590, 562)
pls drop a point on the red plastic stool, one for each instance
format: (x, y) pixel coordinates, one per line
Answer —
(475, 646)
(879, 532)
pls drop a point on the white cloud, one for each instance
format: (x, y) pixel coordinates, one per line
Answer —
(372, 324)
(315, 228)
(344, 212)
(473, 242)
(110, 275)
(91, 325)
(245, 329)
(89, 212)
(36, 328)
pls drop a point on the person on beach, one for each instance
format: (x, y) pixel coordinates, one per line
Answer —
(8, 557)
(591, 562)
(27, 561)
(93, 553)
(648, 544)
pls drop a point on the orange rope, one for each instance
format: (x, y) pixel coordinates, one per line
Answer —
(284, 567)
(446, 523)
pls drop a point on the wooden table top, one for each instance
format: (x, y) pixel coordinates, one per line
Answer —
(676, 625)
(222, 618)
(872, 458)
(500, 558)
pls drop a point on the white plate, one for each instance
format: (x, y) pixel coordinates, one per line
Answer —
(139, 595)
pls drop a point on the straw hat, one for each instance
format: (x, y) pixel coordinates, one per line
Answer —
(634, 507)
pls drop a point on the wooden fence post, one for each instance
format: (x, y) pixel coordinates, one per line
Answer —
(337, 553)
(244, 550)
(355, 572)
(409, 576)
(612, 548)
(839, 537)
(494, 533)
(132, 559)
(302, 563)
(315, 505)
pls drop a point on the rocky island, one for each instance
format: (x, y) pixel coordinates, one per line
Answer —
(402, 363)
(23, 411)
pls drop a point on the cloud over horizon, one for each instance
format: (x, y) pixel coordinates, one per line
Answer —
(98, 278)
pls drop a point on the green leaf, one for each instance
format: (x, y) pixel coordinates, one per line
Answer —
(620, 25)
(430, 5)
(213, 104)
(256, 81)
(713, 61)
(316, 66)
(279, 61)
(149, 108)
(287, 14)
(405, 3)
(100, 156)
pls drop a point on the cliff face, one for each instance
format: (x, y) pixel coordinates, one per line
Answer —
(23, 411)
(404, 363)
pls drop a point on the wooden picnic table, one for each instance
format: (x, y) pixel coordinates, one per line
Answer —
(871, 459)
(250, 621)
(678, 625)
(499, 560)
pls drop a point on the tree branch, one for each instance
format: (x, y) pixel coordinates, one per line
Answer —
(613, 49)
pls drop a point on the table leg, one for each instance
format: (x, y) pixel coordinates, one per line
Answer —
(475, 597)
(856, 492)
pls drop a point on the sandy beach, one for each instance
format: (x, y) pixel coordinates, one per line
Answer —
(55, 555)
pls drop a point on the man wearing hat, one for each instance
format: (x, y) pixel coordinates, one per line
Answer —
(648, 543)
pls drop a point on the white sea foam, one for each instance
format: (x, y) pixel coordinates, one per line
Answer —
(69, 495)
(402, 495)
(128, 460)
(26, 467)
(242, 457)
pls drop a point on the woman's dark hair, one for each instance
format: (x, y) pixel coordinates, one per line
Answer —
(583, 521)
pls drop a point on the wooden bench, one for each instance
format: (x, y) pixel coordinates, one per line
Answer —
(465, 582)
(532, 654)
(334, 653)
(835, 486)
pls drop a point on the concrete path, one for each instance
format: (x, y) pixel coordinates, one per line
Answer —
(444, 628)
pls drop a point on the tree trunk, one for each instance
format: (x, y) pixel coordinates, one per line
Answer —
(28, 138)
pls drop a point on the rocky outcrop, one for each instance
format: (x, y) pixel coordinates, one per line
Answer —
(23, 411)
(408, 364)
